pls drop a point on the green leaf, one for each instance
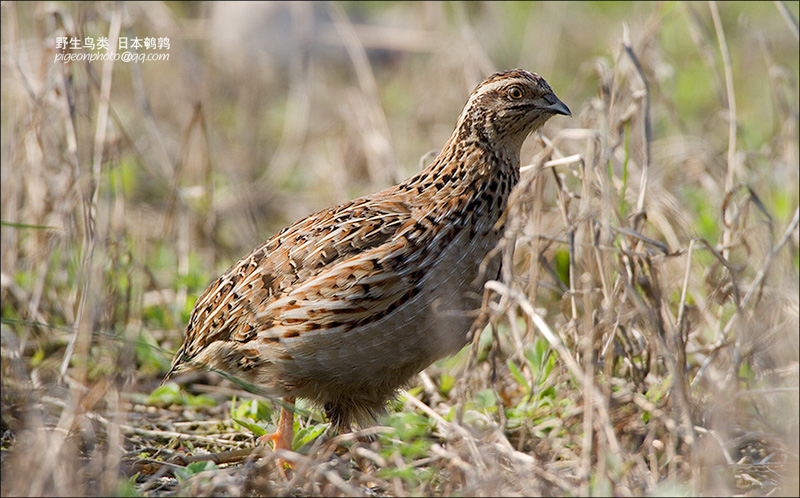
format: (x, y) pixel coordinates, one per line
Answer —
(254, 409)
(446, 383)
(517, 373)
(540, 359)
(485, 400)
(165, 394)
(194, 468)
(562, 266)
(307, 434)
(252, 427)
(547, 397)
(171, 394)
(197, 467)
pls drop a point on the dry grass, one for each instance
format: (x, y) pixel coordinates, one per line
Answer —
(643, 336)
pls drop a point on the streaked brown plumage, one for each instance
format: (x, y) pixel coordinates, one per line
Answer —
(344, 306)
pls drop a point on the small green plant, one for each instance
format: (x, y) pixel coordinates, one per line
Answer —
(257, 417)
(194, 468)
(308, 434)
(253, 415)
(171, 394)
(410, 438)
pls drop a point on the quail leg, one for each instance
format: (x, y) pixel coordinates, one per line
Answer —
(282, 437)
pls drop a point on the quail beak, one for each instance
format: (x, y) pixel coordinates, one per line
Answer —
(556, 107)
(176, 367)
(168, 376)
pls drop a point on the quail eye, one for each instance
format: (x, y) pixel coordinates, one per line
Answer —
(515, 93)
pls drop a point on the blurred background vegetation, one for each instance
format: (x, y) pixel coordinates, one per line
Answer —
(128, 187)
